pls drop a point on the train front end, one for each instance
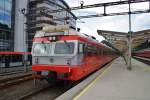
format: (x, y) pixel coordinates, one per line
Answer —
(54, 56)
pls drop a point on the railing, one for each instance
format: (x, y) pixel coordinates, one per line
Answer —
(14, 61)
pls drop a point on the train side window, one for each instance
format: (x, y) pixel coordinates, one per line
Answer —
(1, 58)
(99, 51)
(89, 51)
(81, 48)
(84, 49)
(106, 52)
(102, 53)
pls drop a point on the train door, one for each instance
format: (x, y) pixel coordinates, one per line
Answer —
(80, 54)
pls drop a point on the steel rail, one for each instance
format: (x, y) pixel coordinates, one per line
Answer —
(4, 83)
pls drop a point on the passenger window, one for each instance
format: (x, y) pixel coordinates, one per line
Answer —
(102, 53)
(80, 48)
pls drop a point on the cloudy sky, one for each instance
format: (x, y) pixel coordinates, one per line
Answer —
(115, 23)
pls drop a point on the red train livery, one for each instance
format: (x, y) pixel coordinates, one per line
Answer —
(67, 55)
(143, 53)
(13, 59)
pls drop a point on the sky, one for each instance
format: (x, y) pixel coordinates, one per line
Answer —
(112, 23)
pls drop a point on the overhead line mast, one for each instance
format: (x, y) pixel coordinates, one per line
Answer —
(130, 39)
(110, 4)
(104, 5)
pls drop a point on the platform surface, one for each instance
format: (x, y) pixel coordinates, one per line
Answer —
(118, 83)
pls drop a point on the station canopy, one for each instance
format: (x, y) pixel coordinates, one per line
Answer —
(120, 39)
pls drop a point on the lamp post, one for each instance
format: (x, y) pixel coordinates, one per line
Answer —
(25, 45)
(129, 40)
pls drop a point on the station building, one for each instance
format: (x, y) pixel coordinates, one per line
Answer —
(17, 28)
(7, 25)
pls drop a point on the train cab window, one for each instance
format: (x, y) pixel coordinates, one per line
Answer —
(64, 48)
(80, 48)
(1, 58)
(102, 51)
(99, 51)
(41, 49)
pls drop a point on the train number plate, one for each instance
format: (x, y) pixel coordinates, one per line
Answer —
(45, 73)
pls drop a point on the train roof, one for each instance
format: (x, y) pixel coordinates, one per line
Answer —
(143, 50)
(61, 30)
(65, 30)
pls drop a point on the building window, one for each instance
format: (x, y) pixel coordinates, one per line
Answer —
(5, 12)
(5, 25)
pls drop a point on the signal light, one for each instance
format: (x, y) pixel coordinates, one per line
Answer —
(53, 38)
(50, 38)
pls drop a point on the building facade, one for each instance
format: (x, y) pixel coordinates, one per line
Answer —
(45, 12)
(7, 25)
(17, 29)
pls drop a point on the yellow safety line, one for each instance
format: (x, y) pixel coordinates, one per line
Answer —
(147, 69)
(92, 83)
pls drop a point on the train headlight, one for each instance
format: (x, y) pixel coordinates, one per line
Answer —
(51, 60)
(69, 61)
(36, 60)
(50, 38)
(54, 38)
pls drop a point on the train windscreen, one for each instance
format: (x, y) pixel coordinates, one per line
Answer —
(64, 48)
(41, 49)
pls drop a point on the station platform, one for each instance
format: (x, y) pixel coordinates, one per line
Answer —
(118, 83)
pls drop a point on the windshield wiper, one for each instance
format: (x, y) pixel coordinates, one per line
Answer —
(67, 44)
(44, 45)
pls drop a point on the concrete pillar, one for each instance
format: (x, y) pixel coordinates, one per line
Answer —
(20, 27)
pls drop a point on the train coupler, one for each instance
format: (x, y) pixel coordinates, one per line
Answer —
(63, 75)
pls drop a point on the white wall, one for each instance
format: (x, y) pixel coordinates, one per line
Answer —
(19, 37)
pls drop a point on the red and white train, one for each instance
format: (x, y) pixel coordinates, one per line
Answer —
(13, 59)
(143, 53)
(64, 54)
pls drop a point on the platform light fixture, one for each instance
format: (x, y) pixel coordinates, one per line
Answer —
(23, 11)
(81, 3)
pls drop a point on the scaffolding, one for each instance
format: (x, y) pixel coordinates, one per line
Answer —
(39, 14)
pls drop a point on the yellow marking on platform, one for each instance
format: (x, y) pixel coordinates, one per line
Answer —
(87, 87)
(147, 69)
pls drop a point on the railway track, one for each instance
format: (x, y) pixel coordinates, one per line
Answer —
(142, 59)
(32, 93)
(13, 70)
(43, 92)
(4, 83)
(23, 88)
